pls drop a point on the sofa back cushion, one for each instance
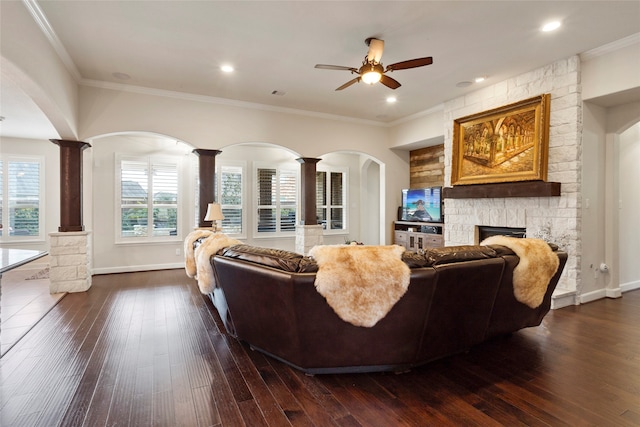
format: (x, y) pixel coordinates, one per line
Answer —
(416, 260)
(450, 254)
(274, 258)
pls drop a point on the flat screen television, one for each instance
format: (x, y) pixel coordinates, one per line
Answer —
(422, 204)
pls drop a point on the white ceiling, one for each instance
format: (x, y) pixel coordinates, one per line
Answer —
(179, 46)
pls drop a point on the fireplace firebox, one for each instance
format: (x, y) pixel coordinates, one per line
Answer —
(484, 231)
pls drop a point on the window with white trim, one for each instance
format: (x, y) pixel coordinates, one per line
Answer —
(331, 200)
(277, 198)
(229, 193)
(148, 199)
(21, 198)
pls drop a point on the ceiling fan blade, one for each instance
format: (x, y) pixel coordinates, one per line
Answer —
(412, 63)
(335, 67)
(389, 82)
(349, 83)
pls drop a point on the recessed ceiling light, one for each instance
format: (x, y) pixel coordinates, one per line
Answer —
(550, 26)
(121, 76)
(391, 99)
(479, 79)
(463, 84)
(226, 68)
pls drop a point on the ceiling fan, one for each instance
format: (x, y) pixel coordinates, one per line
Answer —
(372, 70)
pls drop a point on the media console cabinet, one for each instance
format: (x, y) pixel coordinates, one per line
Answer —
(416, 236)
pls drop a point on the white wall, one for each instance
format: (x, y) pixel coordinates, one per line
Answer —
(610, 84)
(611, 69)
(629, 243)
(109, 256)
(30, 61)
(593, 198)
(610, 200)
(419, 131)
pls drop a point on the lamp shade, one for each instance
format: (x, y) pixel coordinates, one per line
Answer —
(214, 212)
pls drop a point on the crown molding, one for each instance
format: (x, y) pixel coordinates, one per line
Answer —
(610, 47)
(39, 17)
(222, 101)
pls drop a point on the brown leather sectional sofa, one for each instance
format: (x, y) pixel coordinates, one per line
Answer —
(457, 297)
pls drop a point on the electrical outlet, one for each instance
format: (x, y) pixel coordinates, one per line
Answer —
(178, 252)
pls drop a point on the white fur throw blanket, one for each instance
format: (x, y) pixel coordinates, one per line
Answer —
(361, 283)
(537, 266)
(189, 258)
(202, 256)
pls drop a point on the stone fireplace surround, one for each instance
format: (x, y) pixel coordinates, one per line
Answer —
(551, 217)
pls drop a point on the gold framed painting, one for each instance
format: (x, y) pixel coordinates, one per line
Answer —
(506, 144)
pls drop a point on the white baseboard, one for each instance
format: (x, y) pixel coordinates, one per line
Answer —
(613, 293)
(609, 293)
(630, 286)
(135, 268)
(562, 299)
(601, 293)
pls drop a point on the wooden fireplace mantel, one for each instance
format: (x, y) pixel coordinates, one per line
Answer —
(503, 189)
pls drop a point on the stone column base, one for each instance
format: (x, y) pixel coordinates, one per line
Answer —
(308, 236)
(70, 255)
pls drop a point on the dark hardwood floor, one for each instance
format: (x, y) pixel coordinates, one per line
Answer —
(147, 349)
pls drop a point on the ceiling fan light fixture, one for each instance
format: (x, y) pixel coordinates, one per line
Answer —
(371, 77)
(371, 72)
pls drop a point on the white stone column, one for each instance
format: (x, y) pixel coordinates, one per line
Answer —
(308, 236)
(70, 270)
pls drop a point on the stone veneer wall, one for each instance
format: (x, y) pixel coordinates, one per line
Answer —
(308, 236)
(70, 269)
(553, 218)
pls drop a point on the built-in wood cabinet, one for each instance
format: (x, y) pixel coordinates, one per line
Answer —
(417, 236)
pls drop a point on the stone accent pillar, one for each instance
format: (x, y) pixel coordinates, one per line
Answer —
(206, 173)
(308, 231)
(70, 269)
(69, 248)
(308, 236)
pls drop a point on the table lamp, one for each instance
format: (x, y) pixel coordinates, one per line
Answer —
(214, 213)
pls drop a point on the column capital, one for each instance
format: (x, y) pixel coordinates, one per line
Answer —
(310, 160)
(205, 152)
(64, 143)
